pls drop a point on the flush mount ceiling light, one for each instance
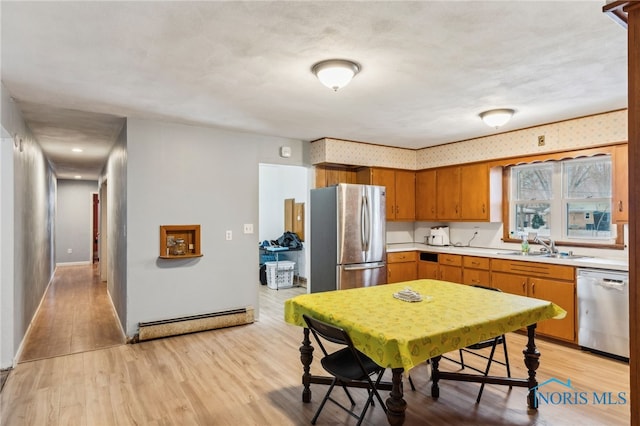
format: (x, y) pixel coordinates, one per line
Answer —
(335, 73)
(77, 150)
(497, 117)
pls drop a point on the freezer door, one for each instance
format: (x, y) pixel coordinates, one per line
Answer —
(361, 224)
(361, 275)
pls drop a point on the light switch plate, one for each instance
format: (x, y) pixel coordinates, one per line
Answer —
(228, 235)
(248, 228)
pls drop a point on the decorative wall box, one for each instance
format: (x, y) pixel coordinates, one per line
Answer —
(179, 241)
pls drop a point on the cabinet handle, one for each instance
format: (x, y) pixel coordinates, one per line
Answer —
(524, 287)
(620, 205)
(456, 209)
(433, 210)
(533, 288)
(483, 208)
(475, 263)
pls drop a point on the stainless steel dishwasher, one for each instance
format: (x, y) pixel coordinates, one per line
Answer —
(603, 311)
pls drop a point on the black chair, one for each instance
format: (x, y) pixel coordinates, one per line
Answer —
(347, 365)
(489, 343)
(471, 349)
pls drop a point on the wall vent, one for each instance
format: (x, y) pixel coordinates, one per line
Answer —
(192, 324)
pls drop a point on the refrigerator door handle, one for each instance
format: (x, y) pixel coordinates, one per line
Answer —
(365, 225)
(361, 267)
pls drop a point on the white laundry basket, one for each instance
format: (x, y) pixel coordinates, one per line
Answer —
(280, 274)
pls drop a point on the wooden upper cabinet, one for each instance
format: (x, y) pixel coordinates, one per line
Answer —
(426, 195)
(405, 195)
(333, 175)
(386, 178)
(620, 165)
(475, 189)
(400, 190)
(462, 193)
(448, 193)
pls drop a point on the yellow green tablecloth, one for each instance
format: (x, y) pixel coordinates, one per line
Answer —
(398, 334)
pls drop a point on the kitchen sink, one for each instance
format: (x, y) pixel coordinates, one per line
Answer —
(564, 256)
(524, 254)
(543, 254)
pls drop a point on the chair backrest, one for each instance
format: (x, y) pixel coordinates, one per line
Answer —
(486, 288)
(327, 331)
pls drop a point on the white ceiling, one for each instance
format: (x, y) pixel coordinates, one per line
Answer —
(76, 69)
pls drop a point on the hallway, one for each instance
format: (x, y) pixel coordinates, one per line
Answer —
(76, 315)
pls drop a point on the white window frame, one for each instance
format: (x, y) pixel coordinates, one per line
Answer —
(558, 206)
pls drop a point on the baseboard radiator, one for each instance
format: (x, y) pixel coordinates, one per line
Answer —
(192, 324)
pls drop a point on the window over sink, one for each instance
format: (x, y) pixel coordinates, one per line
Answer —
(567, 200)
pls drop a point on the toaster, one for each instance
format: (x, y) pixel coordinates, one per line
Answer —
(439, 236)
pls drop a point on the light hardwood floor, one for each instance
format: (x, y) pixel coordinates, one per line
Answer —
(250, 375)
(75, 316)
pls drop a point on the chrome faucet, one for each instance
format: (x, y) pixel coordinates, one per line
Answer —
(551, 245)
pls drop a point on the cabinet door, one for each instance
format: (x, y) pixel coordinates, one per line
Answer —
(620, 165)
(448, 193)
(405, 195)
(510, 283)
(426, 195)
(450, 273)
(386, 178)
(562, 293)
(428, 270)
(474, 192)
(399, 272)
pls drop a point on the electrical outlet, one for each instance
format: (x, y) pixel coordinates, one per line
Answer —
(69, 251)
(541, 140)
(228, 235)
(248, 228)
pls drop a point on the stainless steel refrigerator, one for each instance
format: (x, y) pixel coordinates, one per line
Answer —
(347, 241)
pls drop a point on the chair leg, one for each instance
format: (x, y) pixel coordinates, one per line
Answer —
(506, 357)
(324, 401)
(349, 395)
(413, 388)
(372, 392)
(461, 359)
(486, 372)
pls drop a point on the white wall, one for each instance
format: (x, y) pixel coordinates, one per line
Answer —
(178, 174)
(74, 221)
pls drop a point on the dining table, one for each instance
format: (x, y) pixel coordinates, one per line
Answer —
(399, 334)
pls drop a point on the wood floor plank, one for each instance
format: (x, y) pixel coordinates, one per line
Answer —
(251, 375)
(75, 316)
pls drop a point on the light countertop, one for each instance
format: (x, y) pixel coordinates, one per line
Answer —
(581, 262)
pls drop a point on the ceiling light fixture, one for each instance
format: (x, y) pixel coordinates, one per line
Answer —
(335, 73)
(497, 117)
(77, 177)
(77, 150)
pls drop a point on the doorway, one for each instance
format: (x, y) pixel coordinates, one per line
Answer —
(278, 183)
(95, 228)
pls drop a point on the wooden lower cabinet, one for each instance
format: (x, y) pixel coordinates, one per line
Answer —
(428, 270)
(450, 267)
(560, 292)
(476, 271)
(402, 266)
